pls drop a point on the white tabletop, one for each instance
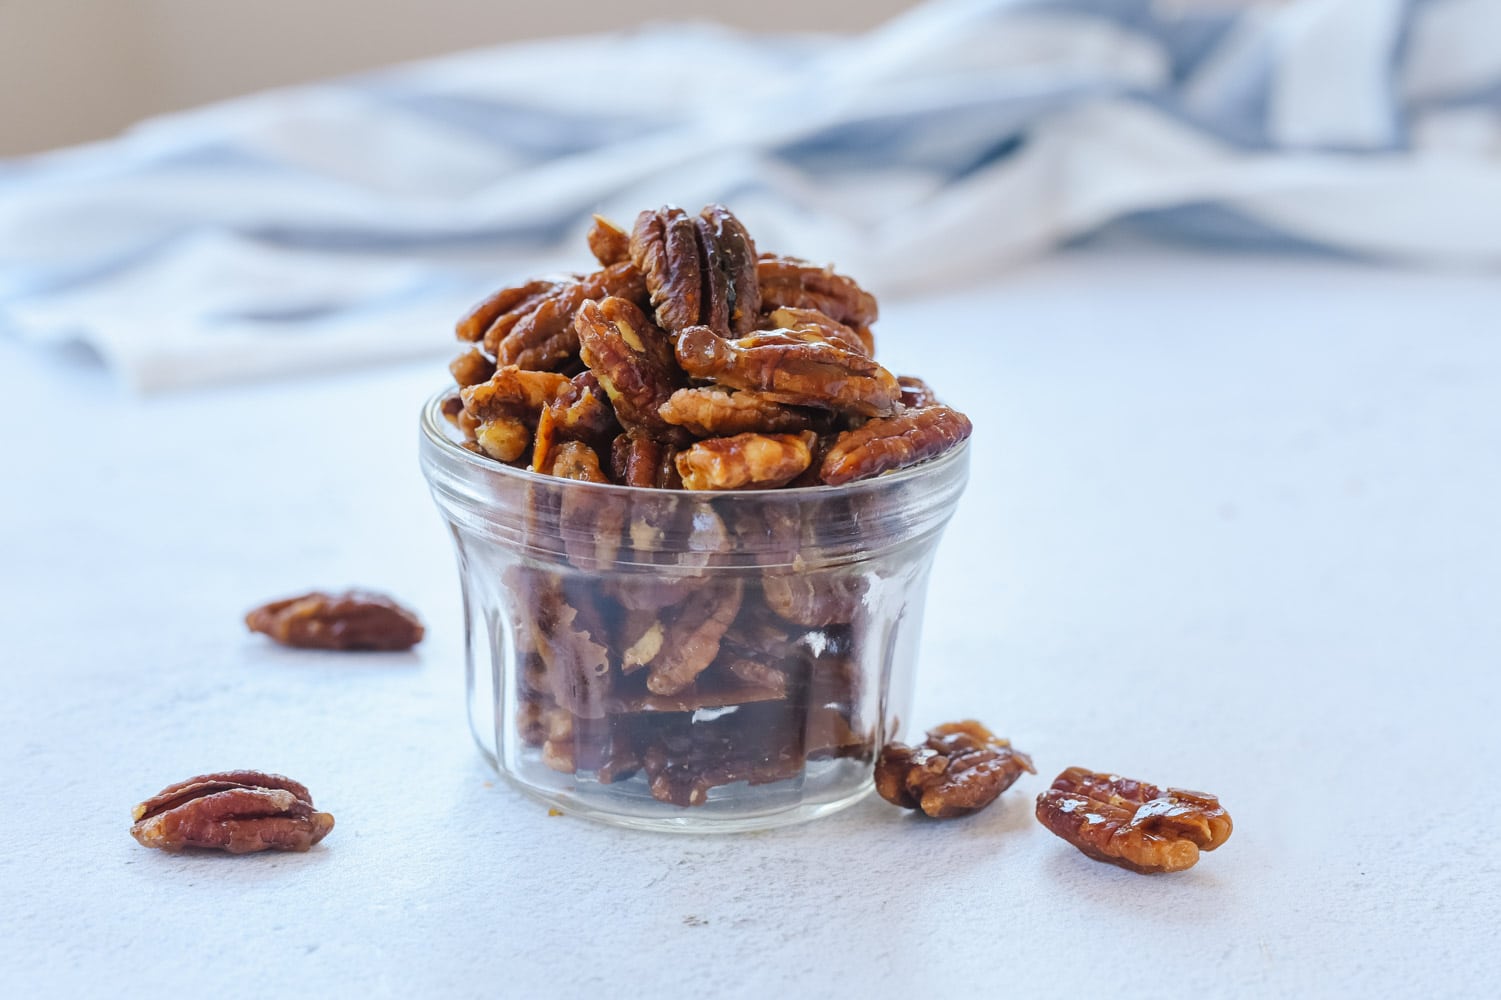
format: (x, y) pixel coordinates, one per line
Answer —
(1234, 524)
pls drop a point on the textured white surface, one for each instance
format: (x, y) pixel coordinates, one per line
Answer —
(1233, 524)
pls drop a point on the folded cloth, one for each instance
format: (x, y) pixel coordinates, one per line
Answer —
(352, 221)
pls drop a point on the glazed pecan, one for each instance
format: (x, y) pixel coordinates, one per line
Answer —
(608, 242)
(574, 644)
(698, 271)
(640, 460)
(353, 620)
(960, 769)
(544, 338)
(791, 370)
(745, 461)
(787, 281)
(471, 368)
(895, 442)
(505, 408)
(580, 412)
(633, 360)
(709, 411)
(236, 811)
(814, 599)
(681, 771)
(1132, 824)
(812, 325)
(504, 308)
(691, 635)
(916, 393)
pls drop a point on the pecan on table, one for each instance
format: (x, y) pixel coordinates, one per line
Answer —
(1132, 824)
(236, 811)
(959, 769)
(745, 461)
(894, 442)
(354, 620)
(698, 271)
(632, 358)
(811, 372)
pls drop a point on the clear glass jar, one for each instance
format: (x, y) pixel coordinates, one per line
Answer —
(690, 661)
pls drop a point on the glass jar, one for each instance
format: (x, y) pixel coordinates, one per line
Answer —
(692, 661)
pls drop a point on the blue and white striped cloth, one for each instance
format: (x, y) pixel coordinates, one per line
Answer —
(351, 221)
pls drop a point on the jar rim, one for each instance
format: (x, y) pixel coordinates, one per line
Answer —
(437, 431)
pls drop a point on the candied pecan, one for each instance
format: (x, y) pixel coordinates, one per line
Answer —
(545, 338)
(664, 248)
(471, 368)
(810, 324)
(1132, 824)
(691, 636)
(961, 768)
(682, 771)
(452, 407)
(732, 293)
(709, 411)
(236, 811)
(353, 620)
(787, 281)
(608, 242)
(572, 640)
(896, 442)
(633, 360)
(504, 308)
(916, 394)
(580, 412)
(698, 271)
(815, 598)
(790, 370)
(639, 460)
(513, 392)
(745, 461)
(576, 460)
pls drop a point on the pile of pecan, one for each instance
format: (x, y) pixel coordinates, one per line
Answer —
(689, 360)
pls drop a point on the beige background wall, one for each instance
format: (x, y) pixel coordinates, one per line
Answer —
(74, 70)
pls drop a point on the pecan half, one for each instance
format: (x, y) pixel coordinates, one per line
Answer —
(709, 411)
(574, 645)
(960, 769)
(810, 324)
(698, 271)
(492, 319)
(1132, 824)
(811, 372)
(353, 620)
(895, 442)
(691, 636)
(544, 337)
(916, 393)
(580, 412)
(608, 242)
(745, 461)
(788, 281)
(236, 811)
(471, 368)
(633, 360)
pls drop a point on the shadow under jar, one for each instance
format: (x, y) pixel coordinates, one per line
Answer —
(688, 661)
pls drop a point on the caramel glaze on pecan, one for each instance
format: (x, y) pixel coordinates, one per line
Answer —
(787, 369)
(961, 768)
(895, 442)
(788, 281)
(236, 811)
(354, 620)
(699, 271)
(1132, 824)
(633, 360)
(745, 461)
(709, 411)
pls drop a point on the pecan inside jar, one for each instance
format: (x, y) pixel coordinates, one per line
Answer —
(356, 620)
(240, 812)
(1132, 824)
(961, 768)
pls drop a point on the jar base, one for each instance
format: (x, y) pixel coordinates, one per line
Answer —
(742, 810)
